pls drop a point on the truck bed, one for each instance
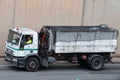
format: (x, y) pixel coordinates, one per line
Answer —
(82, 39)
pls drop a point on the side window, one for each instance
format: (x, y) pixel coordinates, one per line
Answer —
(27, 39)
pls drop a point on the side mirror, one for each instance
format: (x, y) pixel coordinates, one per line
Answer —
(22, 44)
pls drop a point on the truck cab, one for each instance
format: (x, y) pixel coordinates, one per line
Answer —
(17, 50)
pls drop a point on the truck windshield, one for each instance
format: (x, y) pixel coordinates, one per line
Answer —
(13, 37)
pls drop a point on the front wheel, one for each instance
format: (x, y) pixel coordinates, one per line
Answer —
(97, 63)
(32, 64)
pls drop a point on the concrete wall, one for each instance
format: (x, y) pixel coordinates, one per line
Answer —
(6, 16)
(103, 11)
(35, 13)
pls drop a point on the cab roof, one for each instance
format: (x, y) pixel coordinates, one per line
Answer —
(23, 30)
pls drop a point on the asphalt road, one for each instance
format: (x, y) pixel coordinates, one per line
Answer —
(60, 71)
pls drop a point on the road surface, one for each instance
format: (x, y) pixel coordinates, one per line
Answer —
(60, 71)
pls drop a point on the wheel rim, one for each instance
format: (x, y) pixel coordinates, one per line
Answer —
(32, 65)
(97, 63)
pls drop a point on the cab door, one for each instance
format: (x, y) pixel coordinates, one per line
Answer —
(28, 48)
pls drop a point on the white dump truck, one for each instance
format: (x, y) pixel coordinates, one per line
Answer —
(89, 46)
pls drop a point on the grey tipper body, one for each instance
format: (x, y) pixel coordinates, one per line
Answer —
(79, 39)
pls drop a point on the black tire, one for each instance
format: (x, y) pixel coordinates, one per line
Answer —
(32, 64)
(97, 63)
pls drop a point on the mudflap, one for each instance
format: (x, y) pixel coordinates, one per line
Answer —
(44, 62)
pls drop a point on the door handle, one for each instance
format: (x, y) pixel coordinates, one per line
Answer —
(31, 51)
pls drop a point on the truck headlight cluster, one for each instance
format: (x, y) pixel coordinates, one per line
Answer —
(15, 60)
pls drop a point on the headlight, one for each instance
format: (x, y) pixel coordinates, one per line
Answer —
(15, 60)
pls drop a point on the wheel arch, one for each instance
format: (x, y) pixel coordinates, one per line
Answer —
(32, 56)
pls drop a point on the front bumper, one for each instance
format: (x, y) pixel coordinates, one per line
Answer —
(15, 61)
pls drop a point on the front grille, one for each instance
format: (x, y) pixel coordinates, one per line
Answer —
(9, 51)
(9, 57)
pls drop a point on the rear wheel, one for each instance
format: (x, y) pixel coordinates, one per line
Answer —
(32, 64)
(96, 63)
